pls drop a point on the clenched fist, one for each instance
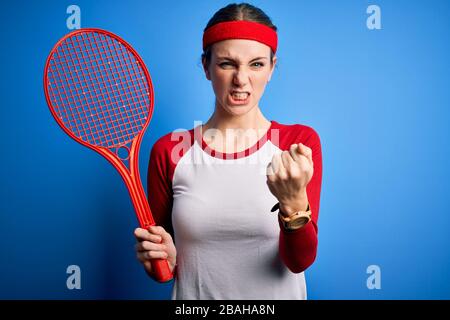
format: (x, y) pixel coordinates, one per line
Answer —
(288, 174)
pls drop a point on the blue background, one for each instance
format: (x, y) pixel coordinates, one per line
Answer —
(379, 100)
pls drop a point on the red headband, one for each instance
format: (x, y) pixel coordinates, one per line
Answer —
(241, 30)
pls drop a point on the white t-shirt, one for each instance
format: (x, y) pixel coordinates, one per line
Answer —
(217, 207)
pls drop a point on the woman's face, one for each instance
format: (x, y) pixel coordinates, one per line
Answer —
(239, 70)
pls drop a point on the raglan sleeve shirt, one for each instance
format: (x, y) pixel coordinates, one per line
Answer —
(199, 190)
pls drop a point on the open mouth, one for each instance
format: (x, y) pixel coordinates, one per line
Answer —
(239, 97)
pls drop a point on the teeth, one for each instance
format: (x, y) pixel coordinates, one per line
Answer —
(240, 95)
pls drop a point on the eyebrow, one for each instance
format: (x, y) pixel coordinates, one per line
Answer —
(227, 58)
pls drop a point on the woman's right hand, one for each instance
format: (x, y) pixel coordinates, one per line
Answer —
(155, 243)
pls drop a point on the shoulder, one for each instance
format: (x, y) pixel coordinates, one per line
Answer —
(180, 140)
(294, 133)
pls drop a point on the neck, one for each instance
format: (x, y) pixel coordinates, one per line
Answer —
(237, 133)
(222, 120)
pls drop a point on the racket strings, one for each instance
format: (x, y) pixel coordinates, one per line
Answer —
(107, 80)
(98, 89)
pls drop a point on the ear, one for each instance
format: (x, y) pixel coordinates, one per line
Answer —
(205, 68)
(273, 68)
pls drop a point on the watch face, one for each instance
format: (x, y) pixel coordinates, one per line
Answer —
(297, 223)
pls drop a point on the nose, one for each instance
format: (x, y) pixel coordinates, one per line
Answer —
(240, 77)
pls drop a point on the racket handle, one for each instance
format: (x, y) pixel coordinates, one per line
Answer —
(161, 270)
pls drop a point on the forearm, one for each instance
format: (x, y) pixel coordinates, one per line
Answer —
(298, 248)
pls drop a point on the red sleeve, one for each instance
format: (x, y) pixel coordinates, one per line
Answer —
(298, 248)
(165, 154)
(159, 185)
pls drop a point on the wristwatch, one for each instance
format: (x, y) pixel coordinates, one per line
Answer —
(295, 221)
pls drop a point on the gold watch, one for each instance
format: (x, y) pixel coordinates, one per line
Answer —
(295, 221)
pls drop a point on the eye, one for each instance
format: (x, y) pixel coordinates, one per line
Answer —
(258, 64)
(226, 65)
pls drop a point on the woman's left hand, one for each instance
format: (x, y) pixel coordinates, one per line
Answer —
(288, 174)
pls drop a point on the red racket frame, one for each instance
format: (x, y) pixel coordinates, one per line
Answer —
(130, 176)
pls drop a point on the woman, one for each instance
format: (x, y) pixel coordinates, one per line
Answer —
(211, 189)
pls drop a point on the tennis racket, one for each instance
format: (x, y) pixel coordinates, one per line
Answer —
(101, 94)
